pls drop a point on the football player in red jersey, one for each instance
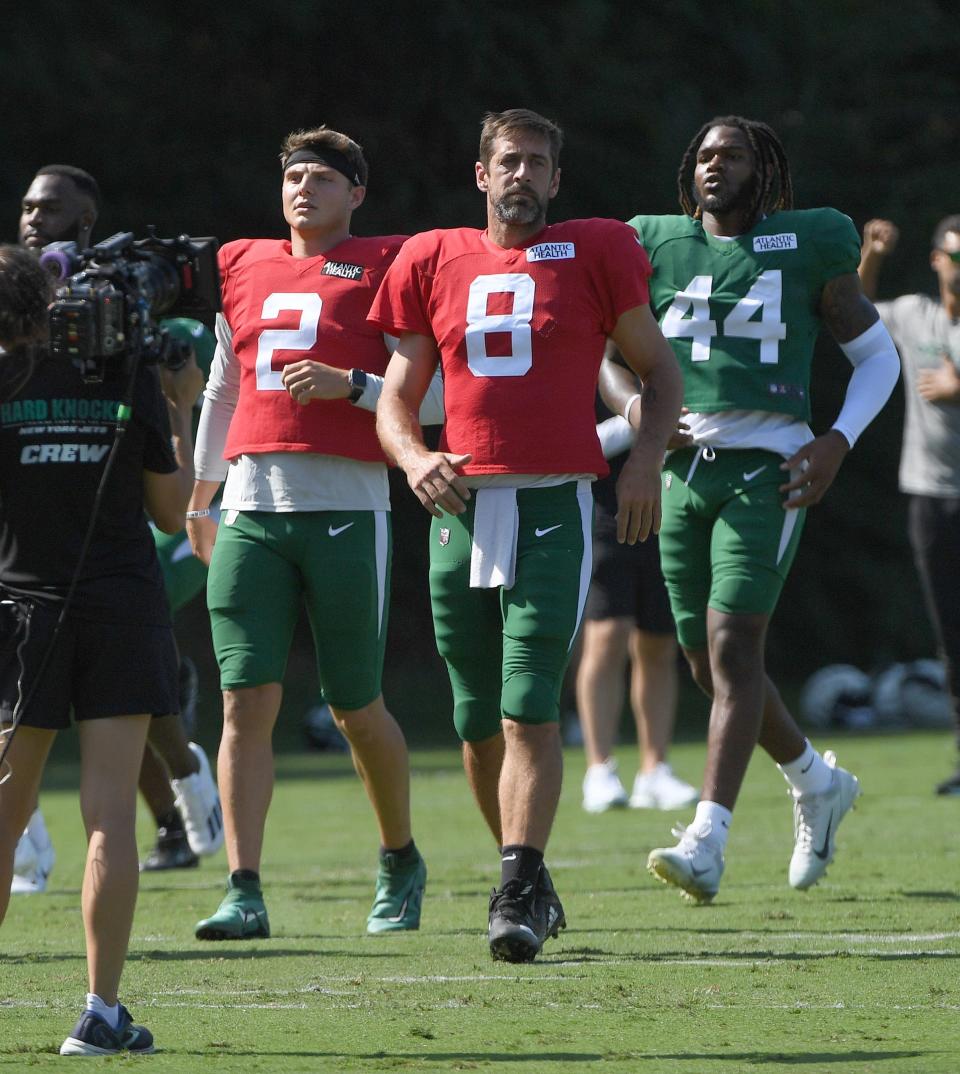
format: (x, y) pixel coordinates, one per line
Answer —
(518, 315)
(304, 516)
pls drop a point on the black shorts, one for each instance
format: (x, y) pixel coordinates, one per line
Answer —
(97, 669)
(627, 581)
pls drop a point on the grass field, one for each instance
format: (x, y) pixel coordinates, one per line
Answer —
(858, 975)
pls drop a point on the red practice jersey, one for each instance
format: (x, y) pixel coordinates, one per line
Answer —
(521, 333)
(283, 309)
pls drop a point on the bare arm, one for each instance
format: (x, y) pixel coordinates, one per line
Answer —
(879, 241)
(431, 474)
(641, 343)
(165, 495)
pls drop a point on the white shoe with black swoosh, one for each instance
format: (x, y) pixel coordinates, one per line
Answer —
(694, 865)
(816, 818)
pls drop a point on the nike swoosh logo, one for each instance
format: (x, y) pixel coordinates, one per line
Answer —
(753, 473)
(403, 910)
(803, 771)
(699, 872)
(509, 857)
(549, 529)
(824, 850)
(254, 915)
(339, 529)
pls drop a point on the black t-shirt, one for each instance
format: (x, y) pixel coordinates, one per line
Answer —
(55, 438)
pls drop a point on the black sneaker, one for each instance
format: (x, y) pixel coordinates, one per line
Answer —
(92, 1036)
(172, 851)
(517, 926)
(554, 917)
(951, 785)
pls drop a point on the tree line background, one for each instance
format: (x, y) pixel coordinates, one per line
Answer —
(179, 114)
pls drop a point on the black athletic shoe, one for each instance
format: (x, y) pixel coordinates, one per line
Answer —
(552, 909)
(172, 851)
(951, 785)
(517, 926)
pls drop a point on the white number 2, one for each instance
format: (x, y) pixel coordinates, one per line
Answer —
(301, 338)
(689, 317)
(480, 323)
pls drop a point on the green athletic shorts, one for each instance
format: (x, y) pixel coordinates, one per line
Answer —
(726, 541)
(506, 649)
(183, 574)
(266, 564)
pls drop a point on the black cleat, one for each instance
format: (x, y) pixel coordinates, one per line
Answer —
(172, 851)
(951, 785)
(552, 909)
(517, 926)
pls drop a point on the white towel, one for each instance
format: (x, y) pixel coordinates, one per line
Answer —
(496, 524)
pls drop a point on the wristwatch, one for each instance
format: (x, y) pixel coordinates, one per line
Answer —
(358, 381)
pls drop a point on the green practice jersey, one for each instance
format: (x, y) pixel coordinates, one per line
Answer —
(743, 314)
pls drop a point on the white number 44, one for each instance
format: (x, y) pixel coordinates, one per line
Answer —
(689, 317)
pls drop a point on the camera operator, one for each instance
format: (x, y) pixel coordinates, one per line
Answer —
(110, 655)
(62, 203)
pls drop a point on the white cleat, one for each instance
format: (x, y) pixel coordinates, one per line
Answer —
(602, 789)
(198, 803)
(32, 866)
(816, 818)
(661, 789)
(694, 865)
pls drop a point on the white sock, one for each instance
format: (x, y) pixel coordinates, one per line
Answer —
(809, 773)
(715, 819)
(111, 1015)
(37, 830)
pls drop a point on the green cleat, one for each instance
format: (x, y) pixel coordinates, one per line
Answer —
(396, 905)
(241, 916)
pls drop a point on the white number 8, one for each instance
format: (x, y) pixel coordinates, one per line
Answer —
(517, 323)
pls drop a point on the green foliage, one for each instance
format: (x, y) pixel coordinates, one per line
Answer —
(855, 976)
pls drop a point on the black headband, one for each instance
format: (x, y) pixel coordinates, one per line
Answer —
(333, 158)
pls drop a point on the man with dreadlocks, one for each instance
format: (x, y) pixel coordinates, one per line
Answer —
(742, 283)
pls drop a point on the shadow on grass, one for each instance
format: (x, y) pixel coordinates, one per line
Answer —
(219, 952)
(789, 1059)
(573, 956)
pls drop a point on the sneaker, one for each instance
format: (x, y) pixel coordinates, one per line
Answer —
(171, 851)
(92, 1036)
(517, 923)
(816, 818)
(554, 917)
(951, 785)
(241, 916)
(32, 866)
(602, 789)
(695, 864)
(198, 802)
(661, 789)
(399, 895)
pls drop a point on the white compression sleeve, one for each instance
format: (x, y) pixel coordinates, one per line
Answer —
(431, 409)
(219, 402)
(876, 366)
(615, 435)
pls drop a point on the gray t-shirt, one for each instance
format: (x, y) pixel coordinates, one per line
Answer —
(923, 333)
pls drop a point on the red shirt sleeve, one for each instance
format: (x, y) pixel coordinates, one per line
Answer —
(625, 270)
(401, 303)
